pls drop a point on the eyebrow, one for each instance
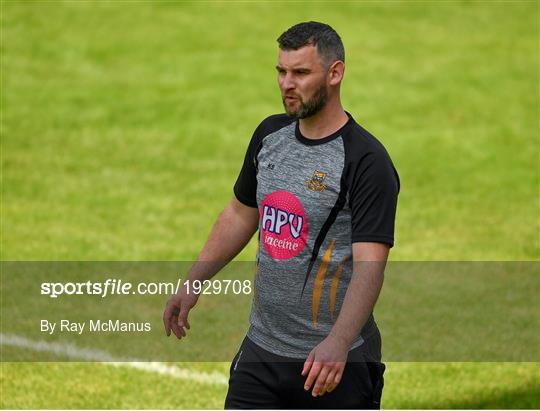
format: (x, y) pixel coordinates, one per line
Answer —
(279, 68)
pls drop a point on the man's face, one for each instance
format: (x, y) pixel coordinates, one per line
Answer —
(302, 81)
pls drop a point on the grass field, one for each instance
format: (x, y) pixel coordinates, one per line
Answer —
(124, 125)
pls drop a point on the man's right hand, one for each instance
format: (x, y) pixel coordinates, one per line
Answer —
(232, 231)
(175, 316)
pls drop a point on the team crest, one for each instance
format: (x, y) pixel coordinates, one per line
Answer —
(316, 183)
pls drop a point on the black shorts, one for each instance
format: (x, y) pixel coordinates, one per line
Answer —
(260, 379)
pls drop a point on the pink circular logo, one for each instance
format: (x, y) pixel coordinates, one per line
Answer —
(284, 227)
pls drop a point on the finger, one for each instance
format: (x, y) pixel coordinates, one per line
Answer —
(166, 326)
(308, 363)
(318, 389)
(178, 331)
(167, 319)
(313, 373)
(183, 316)
(337, 378)
(169, 316)
(329, 383)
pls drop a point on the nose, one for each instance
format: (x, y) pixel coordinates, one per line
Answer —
(286, 82)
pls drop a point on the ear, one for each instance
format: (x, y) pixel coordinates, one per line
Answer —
(336, 72)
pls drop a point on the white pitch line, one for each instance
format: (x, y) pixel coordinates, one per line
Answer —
(85, 354)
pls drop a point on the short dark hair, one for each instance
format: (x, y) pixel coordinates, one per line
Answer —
(329, 44)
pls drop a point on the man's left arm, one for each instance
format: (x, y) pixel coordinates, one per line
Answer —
(326, 362)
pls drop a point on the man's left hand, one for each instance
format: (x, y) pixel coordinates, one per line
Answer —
(325, 365)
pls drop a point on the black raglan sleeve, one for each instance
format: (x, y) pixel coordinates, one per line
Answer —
(373, 187)
(245, 188)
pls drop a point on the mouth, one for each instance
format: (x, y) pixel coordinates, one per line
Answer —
(290, 99)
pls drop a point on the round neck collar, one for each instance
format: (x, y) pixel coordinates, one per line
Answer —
(322, 140)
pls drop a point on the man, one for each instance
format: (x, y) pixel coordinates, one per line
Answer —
(322, 192)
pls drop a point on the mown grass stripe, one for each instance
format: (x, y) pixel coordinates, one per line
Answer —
(73, 352)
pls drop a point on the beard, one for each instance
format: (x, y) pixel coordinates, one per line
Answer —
(312, 106)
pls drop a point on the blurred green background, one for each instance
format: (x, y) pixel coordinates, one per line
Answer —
(124, 125)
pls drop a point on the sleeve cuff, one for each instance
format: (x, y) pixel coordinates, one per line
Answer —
(371, 238)
(244, 200)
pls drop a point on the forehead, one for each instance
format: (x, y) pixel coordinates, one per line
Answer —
(306, 56)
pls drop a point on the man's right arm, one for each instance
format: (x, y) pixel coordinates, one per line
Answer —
(232, 231)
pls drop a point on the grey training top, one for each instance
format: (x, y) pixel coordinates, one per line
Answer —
(315, 198)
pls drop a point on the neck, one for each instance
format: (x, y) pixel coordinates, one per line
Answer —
(327, 121)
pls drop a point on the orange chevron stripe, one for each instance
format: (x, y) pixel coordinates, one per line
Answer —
(334, 286)
(318, 284)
